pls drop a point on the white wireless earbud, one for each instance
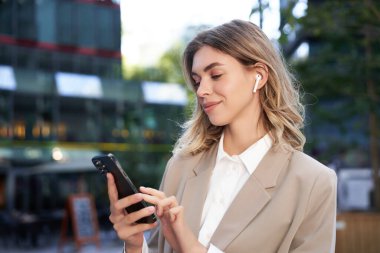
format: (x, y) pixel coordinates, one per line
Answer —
(258, 79)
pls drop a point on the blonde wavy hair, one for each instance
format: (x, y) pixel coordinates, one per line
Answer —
(282, 112)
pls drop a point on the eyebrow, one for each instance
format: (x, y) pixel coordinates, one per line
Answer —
(208, 67)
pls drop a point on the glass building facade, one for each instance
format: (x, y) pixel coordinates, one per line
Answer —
(63, 100)
(62, 35)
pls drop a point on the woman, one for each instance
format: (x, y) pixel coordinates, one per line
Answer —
(238, 180)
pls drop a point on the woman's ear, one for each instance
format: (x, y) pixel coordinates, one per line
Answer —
(260, 72)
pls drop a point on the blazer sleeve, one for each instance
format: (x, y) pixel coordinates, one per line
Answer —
(156, 241)
(317, 232)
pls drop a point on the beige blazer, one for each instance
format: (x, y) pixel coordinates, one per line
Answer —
(287, 205)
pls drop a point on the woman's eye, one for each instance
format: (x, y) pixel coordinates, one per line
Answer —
(216, 77)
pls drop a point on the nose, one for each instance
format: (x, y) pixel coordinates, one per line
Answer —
(204, 89)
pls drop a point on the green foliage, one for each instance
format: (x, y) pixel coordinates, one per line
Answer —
(344, 60)
(139, 73)
(168, 68)
(288, 22)
(340, 33)
(170, 64)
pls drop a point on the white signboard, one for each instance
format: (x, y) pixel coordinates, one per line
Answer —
(7, 78)
(78, 85)
(354, 188)
(164, 93)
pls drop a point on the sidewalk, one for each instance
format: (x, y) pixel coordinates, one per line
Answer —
(109, 243)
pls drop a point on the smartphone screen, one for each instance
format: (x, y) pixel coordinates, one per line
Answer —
(125, 187)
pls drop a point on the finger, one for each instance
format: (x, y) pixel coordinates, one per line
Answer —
(128, 201)
(172, 217)
(175, 213)
(151, 199)
(112, 190)
(115, 218)
(112, 195)
(124, 232)
(131, 218)
(166, 204)
(153, 192)
(135, 216)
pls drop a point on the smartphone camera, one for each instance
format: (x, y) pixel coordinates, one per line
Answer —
(100, 166)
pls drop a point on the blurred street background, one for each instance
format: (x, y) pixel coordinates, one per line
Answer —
(83, 77)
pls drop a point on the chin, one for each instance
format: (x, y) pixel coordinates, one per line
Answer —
(218, 122)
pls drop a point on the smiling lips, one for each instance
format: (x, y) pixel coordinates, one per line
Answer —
(207, 107)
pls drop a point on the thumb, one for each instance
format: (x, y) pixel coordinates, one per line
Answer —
(176, 213)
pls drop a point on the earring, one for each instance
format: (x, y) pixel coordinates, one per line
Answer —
(258, 79)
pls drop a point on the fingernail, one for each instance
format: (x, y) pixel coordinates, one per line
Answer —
(151, 209)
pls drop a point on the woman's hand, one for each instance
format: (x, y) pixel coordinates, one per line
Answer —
(124, 223)
(173, 225)
(163, 204)
(186, 239)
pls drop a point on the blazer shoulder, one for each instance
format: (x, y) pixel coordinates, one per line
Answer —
(179, 168)
(179, 162)
(183, 162)
(307, 164)
(319, 182)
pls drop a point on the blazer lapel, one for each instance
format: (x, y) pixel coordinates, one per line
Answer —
(196, 188)
(251, 199)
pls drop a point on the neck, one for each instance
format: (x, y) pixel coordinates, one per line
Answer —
(245, 129)
(238, 138)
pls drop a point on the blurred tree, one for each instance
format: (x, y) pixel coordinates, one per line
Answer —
(343, 65)
(168, 68)
(259, 8)
(170, 64)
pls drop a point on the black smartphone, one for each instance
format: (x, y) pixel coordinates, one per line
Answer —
(124, 185)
